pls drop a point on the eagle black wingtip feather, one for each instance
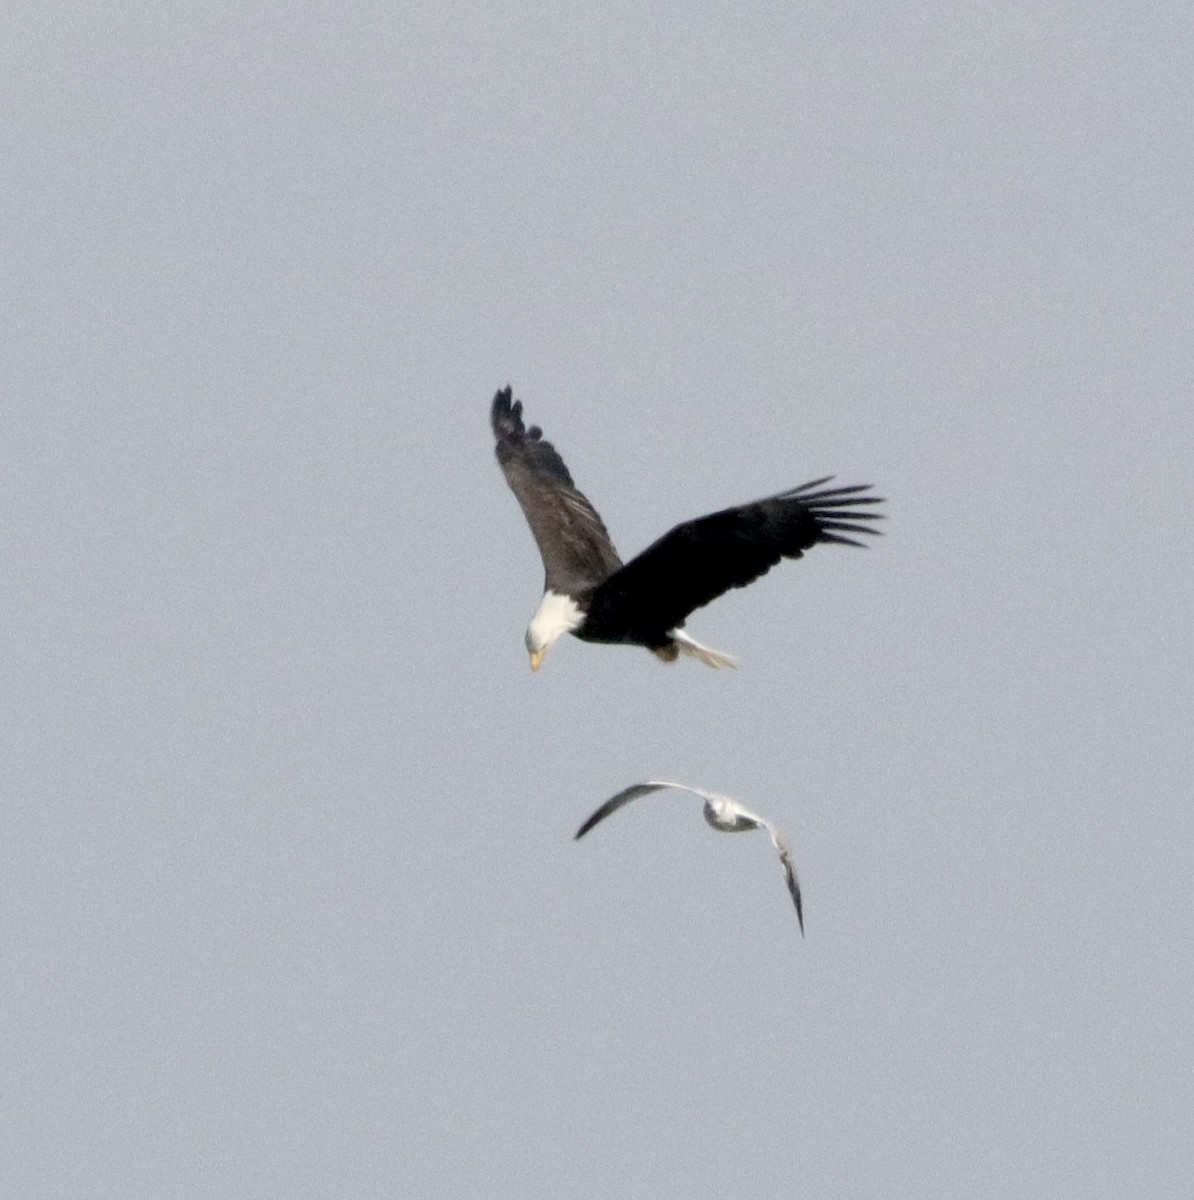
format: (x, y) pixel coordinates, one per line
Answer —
(505, 414)
(849, 526)
(506, 418)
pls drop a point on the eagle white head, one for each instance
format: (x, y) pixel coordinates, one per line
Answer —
(556, 615)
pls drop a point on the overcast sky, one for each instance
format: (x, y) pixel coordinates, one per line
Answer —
(289, 901)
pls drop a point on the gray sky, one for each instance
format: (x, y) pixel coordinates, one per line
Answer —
(289, 904)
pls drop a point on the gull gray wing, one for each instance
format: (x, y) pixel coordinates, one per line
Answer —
(624, 797)
(790, 878)
(573, 542)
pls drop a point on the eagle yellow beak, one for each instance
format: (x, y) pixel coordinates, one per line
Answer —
(537, 659)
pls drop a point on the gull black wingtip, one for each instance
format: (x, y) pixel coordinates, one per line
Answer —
(589, 823)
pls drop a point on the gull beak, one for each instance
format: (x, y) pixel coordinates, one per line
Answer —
(536, 659)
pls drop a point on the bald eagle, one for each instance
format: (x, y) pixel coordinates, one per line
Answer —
(591, 594)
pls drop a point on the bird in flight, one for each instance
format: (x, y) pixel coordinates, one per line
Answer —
(722, 813)
(590, 593)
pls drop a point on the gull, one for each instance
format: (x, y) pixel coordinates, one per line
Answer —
(722, 812)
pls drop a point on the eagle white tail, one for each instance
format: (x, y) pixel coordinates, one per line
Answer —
(707, 655)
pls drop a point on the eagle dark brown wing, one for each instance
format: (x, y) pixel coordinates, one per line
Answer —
(576, 549)
(697, 561)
